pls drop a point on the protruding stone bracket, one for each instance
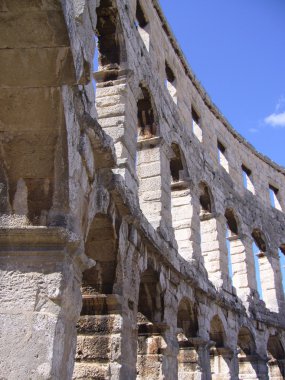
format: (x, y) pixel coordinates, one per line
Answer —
(100, 304)
(180, 185)
(113, 74)
(152, 328)
(233, 238)
(204, 215)
(149, 143)
(225, 352)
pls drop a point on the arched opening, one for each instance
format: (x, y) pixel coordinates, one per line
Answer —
(187, 331)
(176, 164)
(142, 25)
(238, 261)
(205, 198)
(108, 36)
(98, 303)
(259, 249)
(232, 237)
(101, 246)
(217, 332)
(246, 342)
(213, 240)
(148, 158)
(276, 355)
(247, 357)
(150, 306)
(222, 156)
(232, 223)
(151, 344)
(282, 264)
(115, 111)
(220, 355)
(268, 273)
(147, 126)
(181, 202)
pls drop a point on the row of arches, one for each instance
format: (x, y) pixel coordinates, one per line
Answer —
(227, 257)
(164, 186)
(196, 351)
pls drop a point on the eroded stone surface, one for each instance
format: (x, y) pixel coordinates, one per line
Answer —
(115, 205)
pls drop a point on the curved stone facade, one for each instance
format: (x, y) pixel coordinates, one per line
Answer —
(129, 207)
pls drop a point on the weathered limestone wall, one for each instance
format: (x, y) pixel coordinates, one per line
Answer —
(116, 207)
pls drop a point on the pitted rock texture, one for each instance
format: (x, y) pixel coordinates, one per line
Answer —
(124, 195)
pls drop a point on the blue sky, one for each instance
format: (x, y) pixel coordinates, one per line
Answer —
(236, 48)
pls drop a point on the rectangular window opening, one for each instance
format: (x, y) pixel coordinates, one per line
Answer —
(196, 127)
(247, 179)
(170, 82)
(274, 197)
(282, 266)
(142, 25)
(222, 156)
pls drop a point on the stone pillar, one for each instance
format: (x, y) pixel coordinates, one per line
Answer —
(193, 358)
(187, 362)
(244, 279)
(40, 303)
(221, 363)
(271, 281)
(252, 367)
(150, 351)
(154, 188)
(204, 361)
(214, 249)
(182, 211)
(116, 108)
(99, 342)
(276, 369)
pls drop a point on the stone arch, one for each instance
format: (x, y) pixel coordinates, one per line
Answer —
(213, 239)
(246, 342)
(236, 251)
(187, 318)
(151, 343)
(181, 202)
(259, 243)
(217, 332)
(276, 355)
(248, 360)
(268, 268)
(187, 331)
(108, 30)
(101, 246)
(99, 303)
(113, 90)
(220, 354)
(149, 157)
(151, 302)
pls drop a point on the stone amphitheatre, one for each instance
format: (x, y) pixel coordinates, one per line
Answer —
(124, 195)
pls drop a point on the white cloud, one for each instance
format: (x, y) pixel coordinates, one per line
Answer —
(276, 119)
(253, 130)
(280, 104)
